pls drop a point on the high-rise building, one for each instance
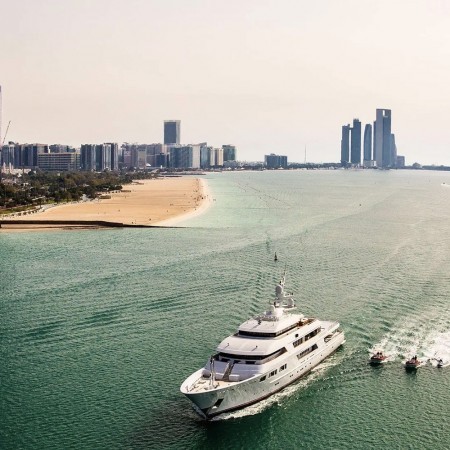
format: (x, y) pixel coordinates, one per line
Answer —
(367, 144)
(7, 156)
(393, 151)
(171, 132)
(57, 162)
(356, 142)
(400, 161)
(273, 161)
(184, 156)
(345, 144)
(382, 138)
(153, 150)
(26, 155)
(219, 156)
(229, 153)
(102, 157)
(88, 157)
(114, 159)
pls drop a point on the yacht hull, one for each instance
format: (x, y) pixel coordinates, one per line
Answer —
(214, 400)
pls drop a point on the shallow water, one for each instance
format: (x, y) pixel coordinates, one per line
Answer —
(98, 329)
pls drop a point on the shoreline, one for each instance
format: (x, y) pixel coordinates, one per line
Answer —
(161, 202)
(204, 204)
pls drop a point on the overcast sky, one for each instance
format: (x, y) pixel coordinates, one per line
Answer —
(265, 75)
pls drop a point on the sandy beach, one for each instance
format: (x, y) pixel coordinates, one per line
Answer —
(156, 202)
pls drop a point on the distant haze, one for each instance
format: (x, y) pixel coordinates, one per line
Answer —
(265, 75)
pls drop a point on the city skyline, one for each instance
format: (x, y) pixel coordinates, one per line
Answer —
(384, 153)
(267, 78)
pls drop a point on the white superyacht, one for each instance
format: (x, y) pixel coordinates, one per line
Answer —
(268, 352)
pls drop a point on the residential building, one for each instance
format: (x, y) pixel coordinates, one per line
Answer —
(114, 159)
(229, 153)
(102, 157)
(218, 152)
(7, 155)
(26, 155)
(88, 157)
(273, 161)
(59, 162)
(162, 160)
(152, 151)
(184, 156)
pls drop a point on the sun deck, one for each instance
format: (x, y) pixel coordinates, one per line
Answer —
(204, 384)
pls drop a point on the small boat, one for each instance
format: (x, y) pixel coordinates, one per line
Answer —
(275, 257)
(413, 363)
(440, 363)
(378, 358)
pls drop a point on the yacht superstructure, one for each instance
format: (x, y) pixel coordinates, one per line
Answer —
(267, 353)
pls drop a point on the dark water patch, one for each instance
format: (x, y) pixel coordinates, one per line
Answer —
(101, 318)
(44, 331)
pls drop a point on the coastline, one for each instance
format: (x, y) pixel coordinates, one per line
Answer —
(204, 204)
(161, 202)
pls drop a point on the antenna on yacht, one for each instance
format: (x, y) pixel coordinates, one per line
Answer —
(284, 274)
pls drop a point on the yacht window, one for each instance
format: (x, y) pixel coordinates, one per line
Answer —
(260, 334)
(283, 367)
(274, 372)
(262, 378)
(305, 352)
(227, 356)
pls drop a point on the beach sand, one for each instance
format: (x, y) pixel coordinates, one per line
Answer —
(156, 202)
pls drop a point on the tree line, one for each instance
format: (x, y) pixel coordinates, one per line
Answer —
(37, 188)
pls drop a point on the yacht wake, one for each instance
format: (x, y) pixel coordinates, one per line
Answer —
(412, 338)
(438, 347)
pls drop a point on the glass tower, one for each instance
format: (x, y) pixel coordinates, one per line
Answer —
(171, 132)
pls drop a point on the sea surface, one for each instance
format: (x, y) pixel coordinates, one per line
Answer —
(98, 329)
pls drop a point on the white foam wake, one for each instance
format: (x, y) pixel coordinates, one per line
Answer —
(412, 338)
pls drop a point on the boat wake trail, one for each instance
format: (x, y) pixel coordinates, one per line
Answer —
(285, 394)
(438, 347)
(413, 339)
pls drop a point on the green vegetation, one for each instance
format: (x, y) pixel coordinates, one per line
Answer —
(37, 188)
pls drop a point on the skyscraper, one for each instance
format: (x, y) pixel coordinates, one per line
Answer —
(367, 143)
(88, 157)
(345, 144)
(382, 138)
(356, 142)
(393, 151)
(171, 132)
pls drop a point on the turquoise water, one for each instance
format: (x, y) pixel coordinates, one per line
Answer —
(98, 329)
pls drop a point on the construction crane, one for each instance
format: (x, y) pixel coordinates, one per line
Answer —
(6, 133)
(4, 138)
